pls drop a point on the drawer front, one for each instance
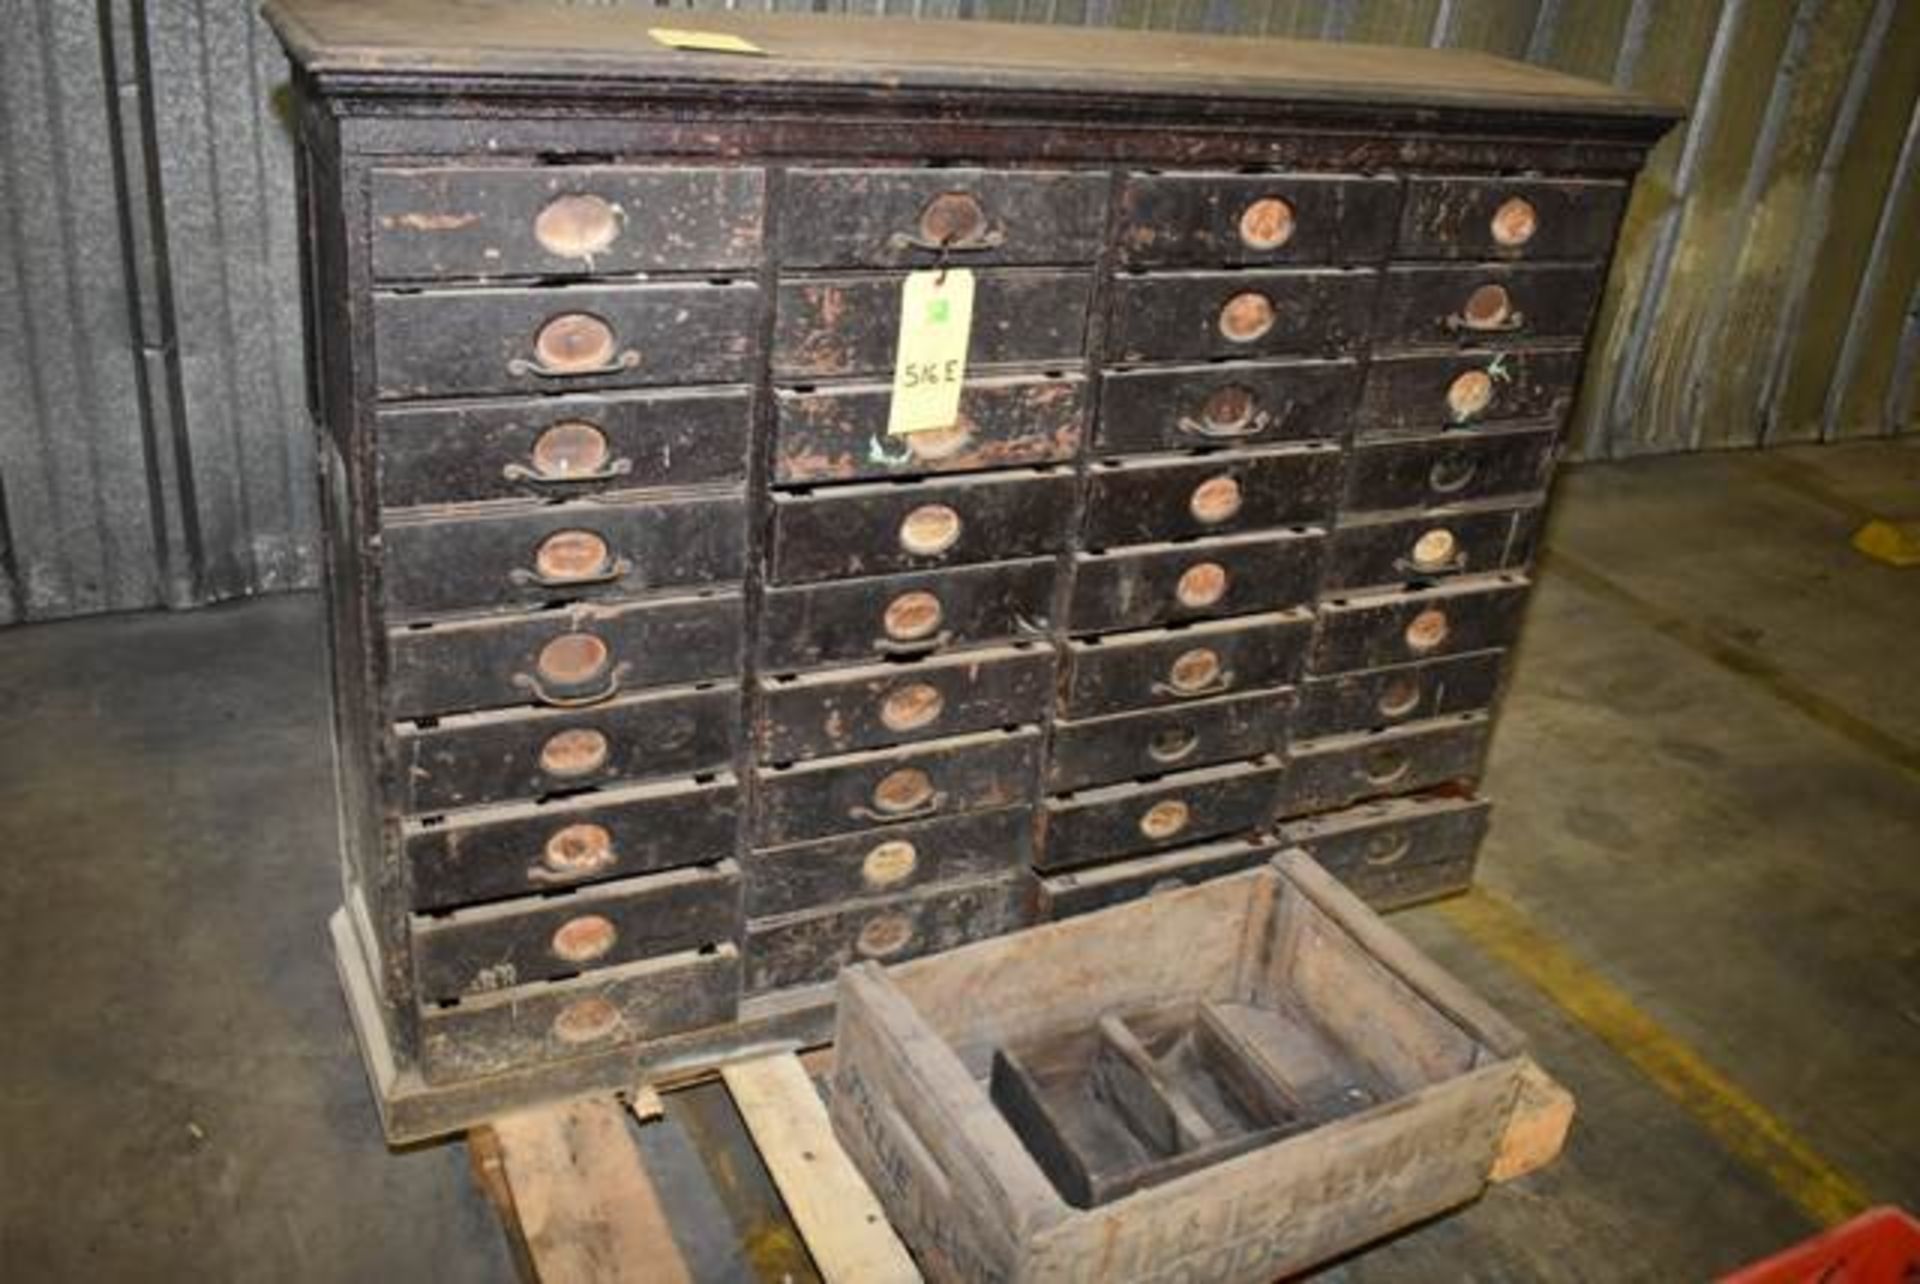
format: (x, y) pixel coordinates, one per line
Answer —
(842, 710)
(1342, 770)
(1391, 550)
(875, 527)
(1129, 819)
(541, 938)
(1157, 667)
(1133, 588)
(1098, 751)
(1453, 468)
(1422, 394)
(1139, 501)
(1005, 422)
(562, 553)
(909, 217)
(562, 447)
(1374, 630)
(1085, 890)
(1189, 315)
(488, 757)
(905, 615)
(782, 880)
(1374, 698)
(1202, 219)
(803, 949)
(488, 853)
(554, 219)
(467, 342)
(885, 787)
(1229, 404)
(612, 1007)
(1496, 218)
(578, 655)
(851, 325)
(1399, 850)
(1486, 303)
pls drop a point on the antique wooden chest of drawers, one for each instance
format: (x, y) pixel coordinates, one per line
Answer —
(669, 680)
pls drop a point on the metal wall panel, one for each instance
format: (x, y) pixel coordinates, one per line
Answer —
(152, 446)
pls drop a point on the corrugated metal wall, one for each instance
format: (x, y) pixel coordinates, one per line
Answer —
(151, 443)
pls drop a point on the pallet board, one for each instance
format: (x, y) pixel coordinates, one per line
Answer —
(579, 1204)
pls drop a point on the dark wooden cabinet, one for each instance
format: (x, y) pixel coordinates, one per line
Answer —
(667, 681)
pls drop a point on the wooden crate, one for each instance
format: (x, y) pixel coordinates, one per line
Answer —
(1278, 951)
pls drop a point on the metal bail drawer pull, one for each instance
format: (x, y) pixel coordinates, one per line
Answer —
(951, 221)
(572, 450)
(574, 345)
(566, 559)
(1488, 310)
(906, 793)
(607, 690)
(1195, 673)
(1233, 411)
(1515, 222)
(1387, 849)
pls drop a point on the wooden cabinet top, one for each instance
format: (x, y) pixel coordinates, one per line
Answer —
(409, 46)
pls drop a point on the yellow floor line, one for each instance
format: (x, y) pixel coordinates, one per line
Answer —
(1737, 1121)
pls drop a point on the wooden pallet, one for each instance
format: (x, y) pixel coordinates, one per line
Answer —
(579, 1206)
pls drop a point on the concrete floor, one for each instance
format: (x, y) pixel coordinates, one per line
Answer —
(1708, 778)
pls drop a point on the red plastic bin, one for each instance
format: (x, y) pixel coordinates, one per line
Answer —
(1880, 1246)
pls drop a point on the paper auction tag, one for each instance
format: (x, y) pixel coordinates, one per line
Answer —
(930, 364)
(704, 41)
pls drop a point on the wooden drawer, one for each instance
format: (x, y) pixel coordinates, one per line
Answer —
(1424, 393)
(487, 853)
(781, 880)
(1378, 549)
(1372, 630)
(1452, 468)
(562, 553)
(885, 787)
(1228, 403)
(1494, 218)
(1161, 497)
(1373, 698)
(564, 446)
(567, 657)
(878, 527)
(442, 343)
(851, 325)
(1123, 746)
(1189, 315)
(1173, 811)
(838, 711)
(543, 938)
(473, 758)
(1082, 890)
(1398, 850)
(904, 615)
(608, 1008)
(840, 433)
(1341, 770)
(562, 219)
(1485, 303)
(810, 947)
(1176, 665)
(1132, 588)
(1208, 219)
(908, 217)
